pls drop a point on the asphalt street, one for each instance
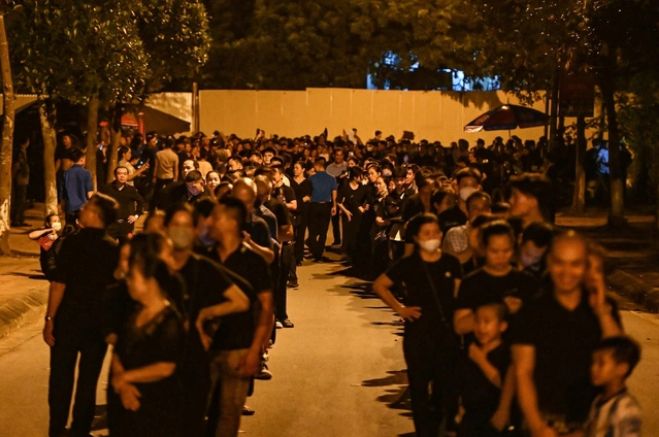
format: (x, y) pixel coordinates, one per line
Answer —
(339, 372)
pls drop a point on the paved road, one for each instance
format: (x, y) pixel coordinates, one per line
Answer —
(339, 372)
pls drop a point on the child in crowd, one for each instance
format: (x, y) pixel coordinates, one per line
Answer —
(615, 412)
(484, 373)
(535, 242)
(498, 281)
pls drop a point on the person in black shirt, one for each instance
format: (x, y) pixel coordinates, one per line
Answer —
(256, 232)
(430, 279)
(191, 190)
(483, 374)
(444, 201)
(130, 203)
(302, 188)
(210, 293)
(149, 347)
(497, 281)
(554, 337)
(287, 196)
(237, 347)
(85, 267)
(351, 199)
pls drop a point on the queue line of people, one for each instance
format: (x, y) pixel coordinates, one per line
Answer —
(470, 276)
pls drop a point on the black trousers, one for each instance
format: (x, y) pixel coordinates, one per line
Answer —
(336, 229)
(319, 220)
(430, 371)
(71, 339)
(281, 291)
(300, 234)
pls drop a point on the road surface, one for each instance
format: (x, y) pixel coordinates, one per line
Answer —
(339, 372)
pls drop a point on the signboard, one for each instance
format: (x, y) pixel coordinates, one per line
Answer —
(577, 95)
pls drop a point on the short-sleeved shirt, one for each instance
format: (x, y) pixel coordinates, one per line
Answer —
(259, 231)
(451, 218)
(85, 264)
(620, 416)
(336, 170)
(478, 393)
(410, 274)
(564, 341)
(480, 288)
(269, 218)
(76, 184)
(322, 186)
(166, 163)
(456, 239)
(237, 330)
(279, 209)
(352, 199)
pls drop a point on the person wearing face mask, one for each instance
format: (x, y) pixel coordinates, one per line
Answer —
(430, 279)
(468, 181)
(148, 351)
(192, 190)
(211, 293)
(47, 238)
(536, 239)
(456, 241)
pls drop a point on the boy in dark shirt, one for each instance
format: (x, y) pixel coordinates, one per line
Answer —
(484, 372)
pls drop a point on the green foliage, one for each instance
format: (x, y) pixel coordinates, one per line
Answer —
(119, 50)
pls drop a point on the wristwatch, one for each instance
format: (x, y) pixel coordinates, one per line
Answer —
(48, 318)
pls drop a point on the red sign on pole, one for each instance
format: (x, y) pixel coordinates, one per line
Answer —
(577, 95)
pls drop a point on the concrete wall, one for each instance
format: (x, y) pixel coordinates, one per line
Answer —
(431, 115)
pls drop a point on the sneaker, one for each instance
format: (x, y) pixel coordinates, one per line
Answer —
(247, 411)
(278, 325)
(264, 374)
(287, 323)
(292, 284)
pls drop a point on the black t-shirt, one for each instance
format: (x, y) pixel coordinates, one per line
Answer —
(478, 394)
(85, 264)
(451, 218)
(480, 288)
(205, 284)
(279, 209)
(160, 340)
(237, 330)
(352, 199)
(259, 231)
(410, 275)
(284, 194)
(564, 342)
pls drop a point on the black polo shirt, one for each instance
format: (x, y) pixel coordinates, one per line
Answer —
(237, 330)
(564, 342)
(85, 264)
(129, 200)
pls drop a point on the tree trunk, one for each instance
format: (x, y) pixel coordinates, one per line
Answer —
(115, 141)
(617, 212)
(553, 120)
(92, 129)
(47, 116)
(7, 145)
(579, 200)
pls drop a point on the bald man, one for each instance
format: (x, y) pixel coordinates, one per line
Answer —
(555, 336)
(256, 233)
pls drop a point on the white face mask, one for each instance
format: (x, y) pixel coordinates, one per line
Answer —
(466, 192)
(429, 246)
(57, 226)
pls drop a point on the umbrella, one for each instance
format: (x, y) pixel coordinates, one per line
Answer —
(508, 117)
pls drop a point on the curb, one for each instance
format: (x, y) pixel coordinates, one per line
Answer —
(634, 288)
(22, 311)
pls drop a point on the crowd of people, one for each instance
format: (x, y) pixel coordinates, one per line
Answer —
(507, 326)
